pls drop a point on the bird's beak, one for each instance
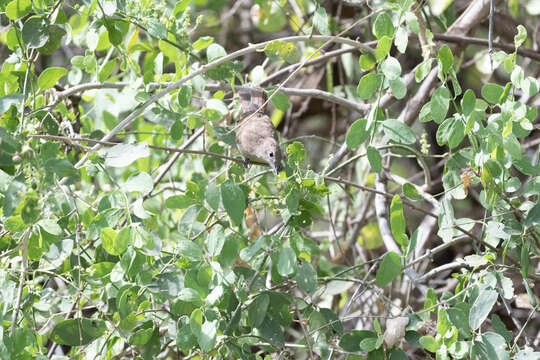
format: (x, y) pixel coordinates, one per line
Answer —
(275, 167)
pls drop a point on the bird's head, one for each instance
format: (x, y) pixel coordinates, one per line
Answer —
(271, 153)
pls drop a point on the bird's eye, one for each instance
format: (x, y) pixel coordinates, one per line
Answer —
(271, 154)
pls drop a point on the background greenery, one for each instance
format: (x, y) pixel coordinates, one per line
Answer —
(406, 223)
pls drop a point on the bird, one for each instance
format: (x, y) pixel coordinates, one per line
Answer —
(257, 138)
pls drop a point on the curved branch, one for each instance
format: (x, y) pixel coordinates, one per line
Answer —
(203, 69)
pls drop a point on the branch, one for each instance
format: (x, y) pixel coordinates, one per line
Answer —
(535, 55)
(203, 69)
(315, 93)
(164, 148)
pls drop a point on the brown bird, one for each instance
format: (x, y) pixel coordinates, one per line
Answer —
(257, 138)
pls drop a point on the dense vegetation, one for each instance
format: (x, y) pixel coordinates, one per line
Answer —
(405, 224)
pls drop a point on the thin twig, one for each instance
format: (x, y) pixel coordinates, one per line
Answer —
(24, 264)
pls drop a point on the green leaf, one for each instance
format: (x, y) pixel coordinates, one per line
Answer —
(410, 191)
(203, 42)
(367, 86)
(78, 332)
(7, 101)
(399, 90)
(390, 268)
(383, 48)
(481, 308)
(271, 332)
(14, 224)
(208, 336)
(429, 343)
(451, 132)
(124, 154)
(391, 68)
(397, 354)
(374, 158)
(189, 249)
(185, 339)
(115, 244)
(401, 40)
(179, 201)
(383, 26)
(61, 167)
(281, 101)
(286, 264)
(234, 201)
(306, 277)
(445, 58)
(215, 52)
(216, 240)
(437, 107)
(495, 346)
(492, 92)
(351, 341)
(357, 134)
(367, 61)
(50, 227)
(142, 183)
(35, 32)
(156, 28)
(399, 131)
(18, 8)
(468, 102)
(184, 95)
(533, 216)
(258, 309)
(500, 328)
(521, 36)
(397, 221)
(281, 49)
(106, 72)
(422, 70)
(320, 21)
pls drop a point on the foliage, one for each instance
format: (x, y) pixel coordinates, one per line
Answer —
(119, 240)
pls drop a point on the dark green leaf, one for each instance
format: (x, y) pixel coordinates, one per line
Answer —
(286, 262)
(390, 268)
(157, 29)
(367, 86)
(320, 21)
(184, 95)
(410, 191)
(383, 26)
(446, 58)
(234, 201)
(357, 134)
(35, 32)
(50, 76)
(281, 101)
(8, 100)
(533, 216)
(306, 277)
(391, 68)
(468, 102)
(271, 332)
(375, 159)
(78, 332)
(429, 343)
(397, 221)
(482, 307)
(383, 48)
(399, 131)
(492, 92)
(257, 310)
